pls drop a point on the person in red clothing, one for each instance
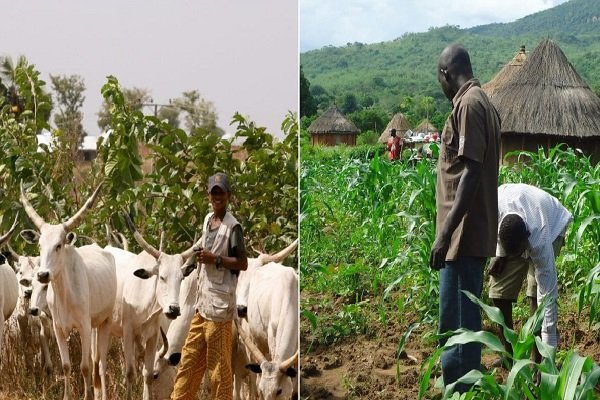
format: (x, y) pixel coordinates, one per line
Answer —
(394, 146)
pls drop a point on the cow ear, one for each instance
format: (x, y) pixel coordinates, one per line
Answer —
(71, 238)
(174, 359)
(145, 273)
(30, 236)
(291, 372)
(188, 268)
(25, 282)
(254, 368)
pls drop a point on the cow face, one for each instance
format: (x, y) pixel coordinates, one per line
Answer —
(52, 241)
(26, 270)
(273, 384)
(38, 302)
(170, 270)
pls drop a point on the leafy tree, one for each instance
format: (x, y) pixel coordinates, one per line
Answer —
(24, 91)
(308, 106)
(171, 114)
(197, 112)
(135, 99)
(68, 118)
(322, 98)
(369, 119)
(348, 103)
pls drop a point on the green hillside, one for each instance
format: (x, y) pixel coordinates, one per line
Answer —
(381, 75)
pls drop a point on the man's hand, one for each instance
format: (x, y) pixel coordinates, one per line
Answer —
(437, 259)
(497, 266)
(206, 257)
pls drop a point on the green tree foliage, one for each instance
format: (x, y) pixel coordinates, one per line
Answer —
(172, 197)
(390, 71)
(135, 98)
(24, 91)
(197, 112)
(171, 114)
(322, 98)
(367, 137)
(348, 103)
(308, 106)
(68, 93)
(369, 119)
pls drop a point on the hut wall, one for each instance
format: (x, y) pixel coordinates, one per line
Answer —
(332, 139)
(512, 142)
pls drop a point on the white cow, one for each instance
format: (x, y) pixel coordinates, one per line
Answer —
(273, 330)
(34, 320)
(9, 288)
(168, 359)
(142, 301)
(81, 294)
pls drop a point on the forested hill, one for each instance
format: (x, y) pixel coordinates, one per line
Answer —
(381, 75)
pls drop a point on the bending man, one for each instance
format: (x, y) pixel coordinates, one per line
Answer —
(532, 226)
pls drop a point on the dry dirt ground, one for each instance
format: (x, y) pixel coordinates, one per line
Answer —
(365, 367)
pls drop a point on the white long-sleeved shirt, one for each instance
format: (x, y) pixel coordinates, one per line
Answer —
(546, 219)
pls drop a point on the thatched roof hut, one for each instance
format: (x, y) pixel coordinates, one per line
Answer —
(333, 128)
(546, 102)
(399, 122)
(426, 127)
(505, 75)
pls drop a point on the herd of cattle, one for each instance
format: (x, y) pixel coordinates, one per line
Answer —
(147, 299)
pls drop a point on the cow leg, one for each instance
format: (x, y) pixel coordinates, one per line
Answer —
(86, 345)
(103, 341)
(148, 372)
(129, 355)
(95, 364)
(63, 349)
(45, 335)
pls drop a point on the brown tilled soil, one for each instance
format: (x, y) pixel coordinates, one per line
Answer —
(365, 367)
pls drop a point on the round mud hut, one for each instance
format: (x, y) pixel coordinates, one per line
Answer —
(506, 74)
(399, 122)
(545, 102)
(426, 127)
(333, 128)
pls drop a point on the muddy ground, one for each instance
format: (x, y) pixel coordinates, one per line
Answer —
(365, 367)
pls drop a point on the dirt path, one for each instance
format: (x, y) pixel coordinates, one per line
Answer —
(365, 368)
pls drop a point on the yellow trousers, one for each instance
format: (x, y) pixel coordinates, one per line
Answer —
(208, 345)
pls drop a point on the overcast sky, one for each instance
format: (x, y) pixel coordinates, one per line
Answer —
(337, 22)
(241, 55)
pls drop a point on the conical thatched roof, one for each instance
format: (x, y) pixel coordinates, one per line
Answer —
(547, 96)
(399, 122)
(333, 121)
(506, 74)
(426, 126)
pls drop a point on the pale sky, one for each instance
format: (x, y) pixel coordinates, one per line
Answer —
(337, 22)
(241, 55)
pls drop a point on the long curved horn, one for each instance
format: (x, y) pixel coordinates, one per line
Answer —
(162, 241)
(138, 237)
(31, 213)
(165, 343)
(124, 242)
(4, 238)
(75, 220)
(290, 362)
(12, 252)
(188, 253)
(250, 345)
(278, 257)
(108, 235)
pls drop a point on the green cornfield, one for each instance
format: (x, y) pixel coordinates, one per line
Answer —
(367, 226)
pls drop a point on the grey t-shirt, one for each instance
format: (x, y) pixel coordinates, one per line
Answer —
(236, 246)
